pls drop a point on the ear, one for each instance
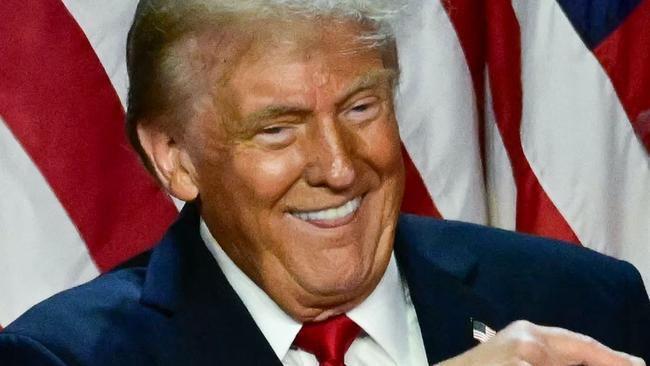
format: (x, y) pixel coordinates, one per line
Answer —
(172, 165)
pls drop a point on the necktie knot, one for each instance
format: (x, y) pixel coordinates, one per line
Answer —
(328, 340)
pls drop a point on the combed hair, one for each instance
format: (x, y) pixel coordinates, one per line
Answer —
(156, 79)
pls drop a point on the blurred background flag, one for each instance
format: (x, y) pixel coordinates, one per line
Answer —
(527, 115)
(533, 116)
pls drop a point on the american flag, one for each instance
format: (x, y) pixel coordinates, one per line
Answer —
(526, 115)
(482, 332)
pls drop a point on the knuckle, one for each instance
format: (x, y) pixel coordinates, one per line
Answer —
(520, 327)
(587, 340)
(521, 324)
(518, 363)
(529, 349)
(636, 361)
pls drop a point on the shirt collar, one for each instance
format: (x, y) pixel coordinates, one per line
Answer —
(383, 315)
(278, 328)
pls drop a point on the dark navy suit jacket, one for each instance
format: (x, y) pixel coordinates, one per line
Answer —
(180, 310)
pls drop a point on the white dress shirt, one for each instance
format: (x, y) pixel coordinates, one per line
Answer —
(391, 333)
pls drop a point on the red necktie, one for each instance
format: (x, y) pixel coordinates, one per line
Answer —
(328, 340)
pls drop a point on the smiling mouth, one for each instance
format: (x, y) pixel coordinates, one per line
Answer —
(330, 217)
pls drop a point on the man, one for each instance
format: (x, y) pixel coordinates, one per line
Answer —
(274, 120)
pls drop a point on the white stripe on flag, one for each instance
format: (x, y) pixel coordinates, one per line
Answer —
(501, 190)
(481, 337)
(41, 252)
(436, 108)
(579, 140)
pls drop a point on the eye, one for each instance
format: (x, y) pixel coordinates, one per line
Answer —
(364, 110)
(360, 108)
(276, 136)
(273, 130)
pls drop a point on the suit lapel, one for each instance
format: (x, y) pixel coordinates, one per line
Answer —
(208, 323)
(205, 314)
(440, 273)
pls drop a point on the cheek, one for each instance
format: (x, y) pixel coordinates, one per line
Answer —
(381, 146)
(267, 175)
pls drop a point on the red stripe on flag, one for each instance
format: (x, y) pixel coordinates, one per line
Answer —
(625, 55)
(535, 212)
(59, 103)
(416, 197)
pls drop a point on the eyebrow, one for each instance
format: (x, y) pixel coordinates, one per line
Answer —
(367, 81)
(273, 111)
(256, 120)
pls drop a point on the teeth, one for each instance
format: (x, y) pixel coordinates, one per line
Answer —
(333, 213)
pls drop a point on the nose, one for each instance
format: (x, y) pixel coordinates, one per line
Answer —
(330, 156)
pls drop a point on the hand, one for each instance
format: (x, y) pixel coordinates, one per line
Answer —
(526, 344)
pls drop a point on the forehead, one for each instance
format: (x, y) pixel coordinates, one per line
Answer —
(299, 60)
(300, 35)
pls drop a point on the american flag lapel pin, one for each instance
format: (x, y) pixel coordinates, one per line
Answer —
(481, 332)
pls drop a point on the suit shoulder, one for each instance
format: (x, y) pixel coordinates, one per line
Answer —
(545, 281)
(74, 321)
(507, 251)
(106, 292)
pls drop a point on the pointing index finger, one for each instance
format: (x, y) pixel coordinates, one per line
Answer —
(577, 349)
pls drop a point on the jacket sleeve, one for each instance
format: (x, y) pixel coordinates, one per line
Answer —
(639, 316)
(17, 350)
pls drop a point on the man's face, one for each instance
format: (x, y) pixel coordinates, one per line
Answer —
(298, 164)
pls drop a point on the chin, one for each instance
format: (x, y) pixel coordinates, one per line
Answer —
(346, 280)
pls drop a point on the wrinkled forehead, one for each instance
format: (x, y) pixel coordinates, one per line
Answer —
(303, 41)
(307, 69)
(218, 52)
